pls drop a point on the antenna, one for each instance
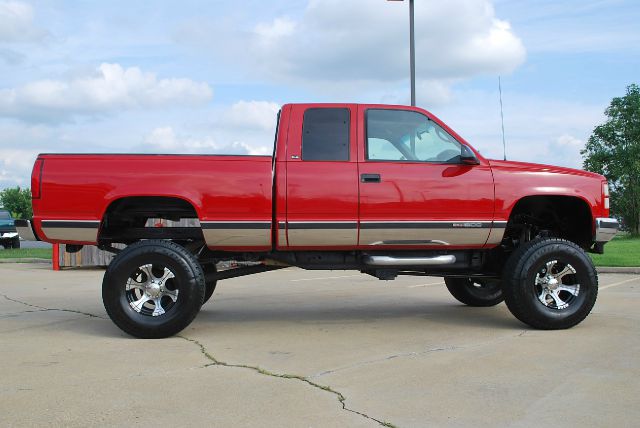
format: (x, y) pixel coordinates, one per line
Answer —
(504, 144)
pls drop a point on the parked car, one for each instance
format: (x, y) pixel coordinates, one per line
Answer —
(8, 235)
(386, 190)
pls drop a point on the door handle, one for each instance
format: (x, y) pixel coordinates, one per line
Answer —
(370, 178)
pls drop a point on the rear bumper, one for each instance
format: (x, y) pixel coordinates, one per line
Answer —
(26, 230)
(606, 229)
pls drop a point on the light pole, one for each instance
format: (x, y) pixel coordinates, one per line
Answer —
(412, 53)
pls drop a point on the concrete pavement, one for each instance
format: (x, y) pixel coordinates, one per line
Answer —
(317, 349)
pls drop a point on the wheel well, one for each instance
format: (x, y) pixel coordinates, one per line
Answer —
(127, 216)
(560, 216)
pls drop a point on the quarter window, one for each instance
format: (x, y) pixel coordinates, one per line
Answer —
(325, 134)
(408, 136)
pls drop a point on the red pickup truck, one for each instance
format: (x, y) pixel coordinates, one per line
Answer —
(386, 190)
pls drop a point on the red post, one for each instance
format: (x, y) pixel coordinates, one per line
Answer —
(55, 258)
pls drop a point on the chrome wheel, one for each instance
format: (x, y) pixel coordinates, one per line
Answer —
(153, 288)
(550, 283)
(556, 285)
(150, 290)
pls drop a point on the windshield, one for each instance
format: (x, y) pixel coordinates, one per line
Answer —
(4, 215)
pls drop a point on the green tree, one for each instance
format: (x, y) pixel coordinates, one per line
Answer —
(613, 150)
(17, 201)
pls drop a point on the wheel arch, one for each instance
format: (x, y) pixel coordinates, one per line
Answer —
(133, 211)
(569, 217)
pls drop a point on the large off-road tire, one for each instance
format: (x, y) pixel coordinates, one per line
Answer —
(210, 286)
(550, 284)
(153, 289)
(475, 292)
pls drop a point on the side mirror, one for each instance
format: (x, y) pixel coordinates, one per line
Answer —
(467, 157)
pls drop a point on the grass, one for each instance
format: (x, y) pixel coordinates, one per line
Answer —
(26, 253)
(621, 251)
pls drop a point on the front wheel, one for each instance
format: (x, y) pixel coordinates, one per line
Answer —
(550, 284)
(475, 292)
(153, 289)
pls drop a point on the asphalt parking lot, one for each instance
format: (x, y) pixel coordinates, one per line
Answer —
(314, 349)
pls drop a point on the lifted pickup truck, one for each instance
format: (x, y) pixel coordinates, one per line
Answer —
(386, 190)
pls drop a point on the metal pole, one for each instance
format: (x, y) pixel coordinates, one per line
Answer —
(504, 144)
(412, 54)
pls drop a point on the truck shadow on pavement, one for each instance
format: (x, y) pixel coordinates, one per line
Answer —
(441, 314)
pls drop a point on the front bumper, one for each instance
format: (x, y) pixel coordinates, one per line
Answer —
(606, 229)
(25, 230)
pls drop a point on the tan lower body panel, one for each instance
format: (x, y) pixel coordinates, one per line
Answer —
(423, 236)
(236, 234)
(71, 230)
(445, 233)
(323, 237)
(497, 232)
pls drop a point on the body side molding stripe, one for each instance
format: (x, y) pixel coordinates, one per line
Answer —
(71, 224)
(323, 225)
(234, 225)
(427, 225)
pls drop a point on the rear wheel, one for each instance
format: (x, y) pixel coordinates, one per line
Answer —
(550, 284)
(475, 292)
(153, 289)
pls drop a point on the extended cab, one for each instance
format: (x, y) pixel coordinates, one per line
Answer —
(386, 190)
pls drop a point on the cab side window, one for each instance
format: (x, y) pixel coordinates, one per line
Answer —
(408, 136)
(325, 134)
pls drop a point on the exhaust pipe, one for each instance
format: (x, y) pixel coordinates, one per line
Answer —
(409, 261)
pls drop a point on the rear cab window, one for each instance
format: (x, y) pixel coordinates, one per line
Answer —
(325, 134)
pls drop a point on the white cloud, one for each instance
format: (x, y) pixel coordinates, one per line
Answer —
(244, 128)
(15, 167)
(110, 88)
(346, 47)
(272, 31)
(252, 115)
(569, 141)
(165, 140)
(16, 23)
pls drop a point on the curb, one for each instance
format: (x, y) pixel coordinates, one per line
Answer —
(631, 270)
(25, 260)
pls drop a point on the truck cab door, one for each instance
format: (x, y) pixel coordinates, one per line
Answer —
(322, 177)
(415, 191)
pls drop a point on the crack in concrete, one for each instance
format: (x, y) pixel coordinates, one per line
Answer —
(387, 358)
(413, 354)
(341, 398)
(15, 314)
(43, 309)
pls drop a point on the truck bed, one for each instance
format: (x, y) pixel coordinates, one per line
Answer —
(229, 193)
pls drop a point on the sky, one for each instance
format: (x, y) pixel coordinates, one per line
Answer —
(210, 77)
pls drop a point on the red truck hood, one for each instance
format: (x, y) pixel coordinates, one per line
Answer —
(536, 167)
